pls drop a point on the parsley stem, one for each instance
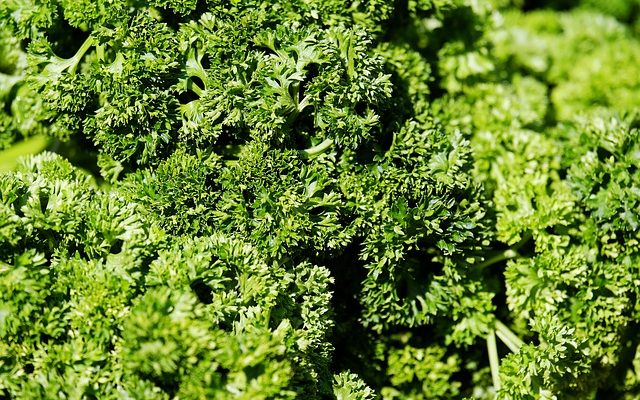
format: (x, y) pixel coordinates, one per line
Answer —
(317, 149)
(191, 85)
(509, 338)
(494, 361)
(75, 60)
(195, 68)
(58, 65)
(505, 255)
(33, 145)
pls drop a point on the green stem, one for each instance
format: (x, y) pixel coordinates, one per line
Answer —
(80, 53)
(33, 145)
(191, 85)
(494, 361)
(303, 104)
(195, 68)
(513, 342)
(57, 64)
(505, 255)
(317, 149)
(100, 52)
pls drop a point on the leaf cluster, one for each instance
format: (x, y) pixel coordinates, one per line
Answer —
(319, 199)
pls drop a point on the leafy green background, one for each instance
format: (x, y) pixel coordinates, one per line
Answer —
(410, 199)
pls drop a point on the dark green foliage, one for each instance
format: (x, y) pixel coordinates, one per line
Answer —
(556, 144)
(86, 273)
(423, 199)
(422, 229)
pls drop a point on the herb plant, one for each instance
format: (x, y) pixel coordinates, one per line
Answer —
(423, 199)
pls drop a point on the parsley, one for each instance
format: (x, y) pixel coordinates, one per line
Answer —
(425, 199)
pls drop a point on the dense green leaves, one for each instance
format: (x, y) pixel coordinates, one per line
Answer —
(425, 199)
(83, 271)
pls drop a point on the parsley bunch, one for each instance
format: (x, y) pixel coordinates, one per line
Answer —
(424, 199)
